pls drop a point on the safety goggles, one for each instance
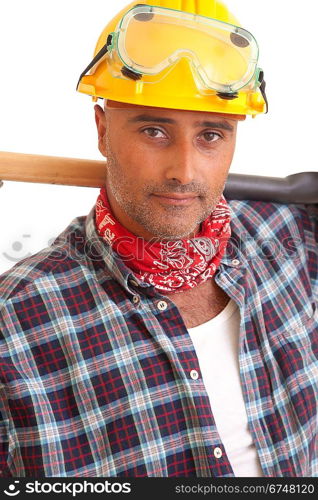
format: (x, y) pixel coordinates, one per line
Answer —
(150, 40)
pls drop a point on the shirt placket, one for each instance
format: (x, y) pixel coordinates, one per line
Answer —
(209, 453)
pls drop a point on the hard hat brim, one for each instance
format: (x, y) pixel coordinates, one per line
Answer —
(123, 105)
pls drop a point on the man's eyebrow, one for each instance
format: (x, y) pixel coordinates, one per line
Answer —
(158, 119)
(149, 118)
(221, 125)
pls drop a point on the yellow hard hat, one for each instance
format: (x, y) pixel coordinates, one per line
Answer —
(177, 54)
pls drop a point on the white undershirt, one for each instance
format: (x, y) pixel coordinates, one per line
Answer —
(216, 344)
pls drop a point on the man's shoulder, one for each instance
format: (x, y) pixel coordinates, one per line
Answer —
(267, 217)
(65, 257)
(267, 208)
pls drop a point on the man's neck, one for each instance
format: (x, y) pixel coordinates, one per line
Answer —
(200, 304)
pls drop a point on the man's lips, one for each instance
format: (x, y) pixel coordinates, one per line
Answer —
(176, 198)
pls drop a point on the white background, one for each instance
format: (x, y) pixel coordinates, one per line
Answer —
(44, 46)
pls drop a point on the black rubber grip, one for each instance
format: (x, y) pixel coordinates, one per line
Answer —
(296, 188)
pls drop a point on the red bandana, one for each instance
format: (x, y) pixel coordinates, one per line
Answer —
(175, 265)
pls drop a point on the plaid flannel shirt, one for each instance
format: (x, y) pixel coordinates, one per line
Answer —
(95, 366)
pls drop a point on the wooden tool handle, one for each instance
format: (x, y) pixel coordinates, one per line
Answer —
(51, 170)
(295, 188)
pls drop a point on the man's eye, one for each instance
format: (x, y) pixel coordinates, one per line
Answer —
(211, 136)
(154, 132)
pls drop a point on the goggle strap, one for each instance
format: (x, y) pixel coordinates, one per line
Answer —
(262, 88)
(227, 96)
(129, 73)
(98, 56)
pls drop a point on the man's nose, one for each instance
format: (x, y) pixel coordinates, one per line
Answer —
(182, 162)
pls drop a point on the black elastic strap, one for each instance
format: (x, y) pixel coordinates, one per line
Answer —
(262, 88)
(227, 95)
(98, 56)
(128, 73)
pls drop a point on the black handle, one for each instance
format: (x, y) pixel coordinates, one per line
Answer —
(296, 188)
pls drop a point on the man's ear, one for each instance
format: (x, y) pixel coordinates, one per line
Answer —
(100, 120)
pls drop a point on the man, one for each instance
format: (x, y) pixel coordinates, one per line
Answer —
(169, 333)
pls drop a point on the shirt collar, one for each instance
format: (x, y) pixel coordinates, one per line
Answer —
(234, 256)
(115, 266)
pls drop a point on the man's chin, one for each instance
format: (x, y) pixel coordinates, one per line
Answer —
(176, 234)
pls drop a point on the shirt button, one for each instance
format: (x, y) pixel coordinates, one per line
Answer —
(194, 375)
(134, 283)
(162, 305)
(235, 262)
(135, 299)
(217, 452)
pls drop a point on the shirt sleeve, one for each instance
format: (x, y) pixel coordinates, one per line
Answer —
(309, 230)
(6, 424)
(4, 432)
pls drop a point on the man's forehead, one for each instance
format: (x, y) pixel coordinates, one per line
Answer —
(108, 104)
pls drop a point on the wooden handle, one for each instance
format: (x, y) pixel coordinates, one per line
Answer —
(295, 188)
(51, 170)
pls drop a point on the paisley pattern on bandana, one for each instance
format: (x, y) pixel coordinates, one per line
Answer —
(169, 265)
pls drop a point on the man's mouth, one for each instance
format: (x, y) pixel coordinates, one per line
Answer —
(176, 198)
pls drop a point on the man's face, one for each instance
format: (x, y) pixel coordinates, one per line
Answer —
(166, 169)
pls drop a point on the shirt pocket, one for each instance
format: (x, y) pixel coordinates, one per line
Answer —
(301, 333)
(297, 356)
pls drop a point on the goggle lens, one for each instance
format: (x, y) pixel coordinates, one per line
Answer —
(224, 56)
